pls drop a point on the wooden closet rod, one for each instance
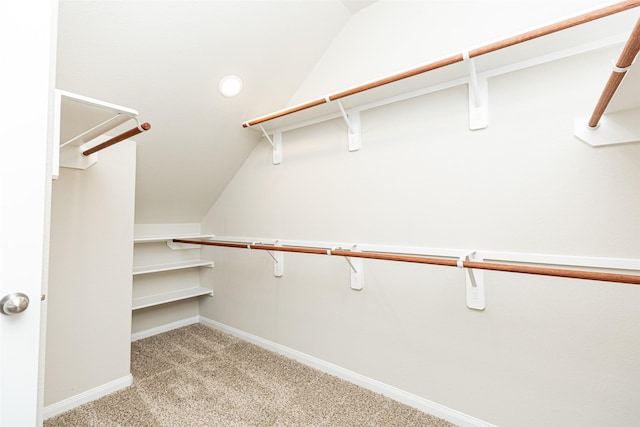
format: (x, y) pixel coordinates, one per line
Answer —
(525, 269)
(492, 47)
(125, 135)
(625, 60)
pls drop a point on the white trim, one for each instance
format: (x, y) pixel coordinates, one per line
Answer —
(424, 405)
(87, 396)
(164, 328)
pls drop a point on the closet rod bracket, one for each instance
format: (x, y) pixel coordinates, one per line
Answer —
(276, 144)
(474, 282)
(620, 127)
(278, 261)
(478, 96)
(357, 269)
(352, 119)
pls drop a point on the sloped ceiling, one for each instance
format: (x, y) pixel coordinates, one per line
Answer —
(165, 58)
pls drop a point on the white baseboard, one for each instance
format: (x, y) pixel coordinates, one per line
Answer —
(113, 386)
(164, 328)
(87, 396)
(424, 405)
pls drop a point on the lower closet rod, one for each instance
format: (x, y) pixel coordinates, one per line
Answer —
(512, 268)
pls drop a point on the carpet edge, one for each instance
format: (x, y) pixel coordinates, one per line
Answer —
(459, 418)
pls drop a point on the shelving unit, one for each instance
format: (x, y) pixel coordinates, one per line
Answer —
(160, 288)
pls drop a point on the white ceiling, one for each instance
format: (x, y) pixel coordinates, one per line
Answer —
(165, 58)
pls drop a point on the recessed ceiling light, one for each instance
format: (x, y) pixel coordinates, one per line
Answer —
(230, 86)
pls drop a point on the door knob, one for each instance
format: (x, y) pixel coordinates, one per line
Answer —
(14, 303)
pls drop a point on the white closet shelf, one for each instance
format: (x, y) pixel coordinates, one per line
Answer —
(153, 300)
(168, 238)
(146, 269)
(100, 117)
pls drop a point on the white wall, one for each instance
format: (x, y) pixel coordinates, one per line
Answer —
(89, 300)
(546, 351)
(394, 35)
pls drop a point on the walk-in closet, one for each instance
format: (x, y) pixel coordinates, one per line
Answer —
(341, 213)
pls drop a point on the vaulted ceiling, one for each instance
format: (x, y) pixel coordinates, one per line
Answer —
(165, 58)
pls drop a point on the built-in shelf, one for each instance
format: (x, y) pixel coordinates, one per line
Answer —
(153, 300)
(155, 288)
(146, 269)
(168, 238)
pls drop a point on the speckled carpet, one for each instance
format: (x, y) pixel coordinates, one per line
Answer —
(198, 376)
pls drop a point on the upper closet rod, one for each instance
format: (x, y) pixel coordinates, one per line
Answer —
(125, 135)
(625, 61)
(492, 47)
(543, 271)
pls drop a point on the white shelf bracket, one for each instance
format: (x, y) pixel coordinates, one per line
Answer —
(278, 258)
(278, 261)
(357, 270)
(621, 127)
(352, 119)
(478, 97)
(474, 282)
(276, 143)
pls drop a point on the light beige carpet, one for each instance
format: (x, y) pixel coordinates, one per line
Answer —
(198, 376)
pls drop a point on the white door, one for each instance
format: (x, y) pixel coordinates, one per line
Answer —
(26, 45)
